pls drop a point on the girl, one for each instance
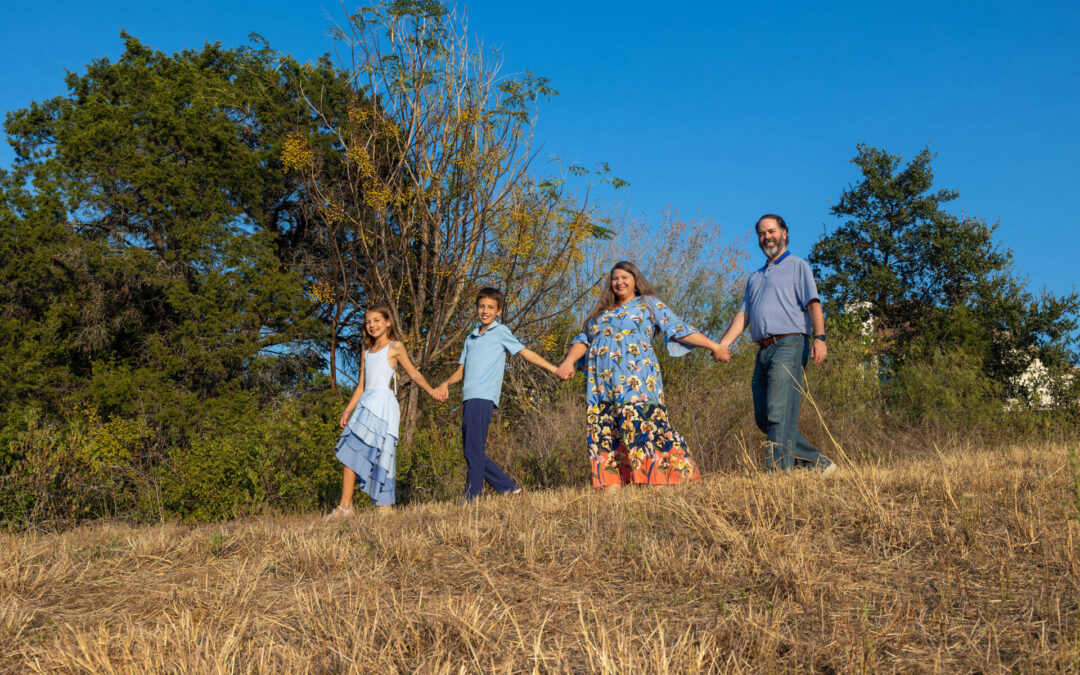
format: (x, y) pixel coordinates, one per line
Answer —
(368, 444)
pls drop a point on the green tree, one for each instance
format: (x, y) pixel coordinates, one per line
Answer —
(152, 200)
(156, 261)
(929, 277)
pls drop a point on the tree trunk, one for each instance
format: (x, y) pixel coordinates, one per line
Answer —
(333, 360)
(411, 416)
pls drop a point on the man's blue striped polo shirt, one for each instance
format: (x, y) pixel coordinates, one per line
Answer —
(776, 297)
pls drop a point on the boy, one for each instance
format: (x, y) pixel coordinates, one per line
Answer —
(482, 364)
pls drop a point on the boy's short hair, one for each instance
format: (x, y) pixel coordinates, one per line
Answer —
(491, 293)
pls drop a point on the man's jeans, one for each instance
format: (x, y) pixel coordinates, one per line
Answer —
(778, 377)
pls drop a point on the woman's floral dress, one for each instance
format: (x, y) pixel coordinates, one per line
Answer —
(629, 436)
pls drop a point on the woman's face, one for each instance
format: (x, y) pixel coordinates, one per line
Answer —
(376, 324)
(622, 284)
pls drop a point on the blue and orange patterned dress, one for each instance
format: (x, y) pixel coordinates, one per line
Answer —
(629, 437)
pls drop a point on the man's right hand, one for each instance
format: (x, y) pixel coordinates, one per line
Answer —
(722, 353)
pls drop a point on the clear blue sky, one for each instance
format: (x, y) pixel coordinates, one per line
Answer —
(724, 109)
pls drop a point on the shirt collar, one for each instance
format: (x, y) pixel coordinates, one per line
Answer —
(777, 261)
(476, 332)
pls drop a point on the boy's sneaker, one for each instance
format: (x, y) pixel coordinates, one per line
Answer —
(825, 466)
(515, 491)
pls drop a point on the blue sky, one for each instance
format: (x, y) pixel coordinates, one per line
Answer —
(725, 110)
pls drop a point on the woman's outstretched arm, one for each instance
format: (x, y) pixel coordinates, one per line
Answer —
(566, 369)
(703, 341)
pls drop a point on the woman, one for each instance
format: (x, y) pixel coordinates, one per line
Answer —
(629, 436)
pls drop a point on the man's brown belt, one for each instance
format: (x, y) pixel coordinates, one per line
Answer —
(762, 344)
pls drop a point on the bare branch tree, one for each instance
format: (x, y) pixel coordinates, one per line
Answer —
(437, 147)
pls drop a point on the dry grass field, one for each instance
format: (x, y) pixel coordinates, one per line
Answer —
(962, 560)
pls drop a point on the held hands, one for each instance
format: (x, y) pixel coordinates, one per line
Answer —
(721, 353)
(565, 371)
(441, 393)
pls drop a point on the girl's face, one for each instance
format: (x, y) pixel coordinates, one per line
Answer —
(376, 324)
(622, 284)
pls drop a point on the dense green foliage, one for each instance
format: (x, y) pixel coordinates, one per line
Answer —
(929, 279)
(150, 258)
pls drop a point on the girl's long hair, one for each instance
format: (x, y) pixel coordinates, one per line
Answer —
(391, 332)
(607, 296)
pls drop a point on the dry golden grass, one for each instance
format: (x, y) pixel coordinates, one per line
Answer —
(966, 561)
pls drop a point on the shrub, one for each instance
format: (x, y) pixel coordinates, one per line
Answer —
(945, 387)
(432, 467)
(279, 458)
(541, 444)
(64, 471)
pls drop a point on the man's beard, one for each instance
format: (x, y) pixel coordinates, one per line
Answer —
(771, 251)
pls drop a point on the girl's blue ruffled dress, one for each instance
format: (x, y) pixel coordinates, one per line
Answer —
(368, 445)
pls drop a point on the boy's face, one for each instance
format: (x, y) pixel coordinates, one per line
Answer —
(487, 310)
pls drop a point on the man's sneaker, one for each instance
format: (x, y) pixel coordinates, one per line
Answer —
(825, 466)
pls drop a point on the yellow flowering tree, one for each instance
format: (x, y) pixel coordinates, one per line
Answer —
(434, 183)
(330, 253)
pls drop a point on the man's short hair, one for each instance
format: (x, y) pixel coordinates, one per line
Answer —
(779, 221)
(491, 293)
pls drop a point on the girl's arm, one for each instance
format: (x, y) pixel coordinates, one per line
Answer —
(401, 355)
(537, 360)
(566, 368)
(355, 395)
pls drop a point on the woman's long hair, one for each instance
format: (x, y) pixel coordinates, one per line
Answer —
(391, 332)
(607, 296)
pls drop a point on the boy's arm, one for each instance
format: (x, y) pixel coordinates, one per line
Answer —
(442, 392)
(537, 360)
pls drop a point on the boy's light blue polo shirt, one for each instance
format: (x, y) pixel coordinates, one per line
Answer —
(484, 358)
(776, 297)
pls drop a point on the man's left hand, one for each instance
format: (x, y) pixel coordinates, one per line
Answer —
(818, 351)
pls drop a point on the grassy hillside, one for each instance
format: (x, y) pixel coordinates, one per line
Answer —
(958, 560)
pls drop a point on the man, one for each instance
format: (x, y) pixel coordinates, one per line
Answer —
(782, 309)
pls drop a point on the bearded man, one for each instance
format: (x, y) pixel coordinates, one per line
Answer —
(782, 309)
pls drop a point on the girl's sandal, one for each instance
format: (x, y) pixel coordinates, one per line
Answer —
(339, 513)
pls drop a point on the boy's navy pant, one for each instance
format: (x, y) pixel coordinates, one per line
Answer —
(475, 419)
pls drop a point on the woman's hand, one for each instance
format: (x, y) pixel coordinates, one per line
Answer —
(345, 417)
(721, 353)
(565, 371)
